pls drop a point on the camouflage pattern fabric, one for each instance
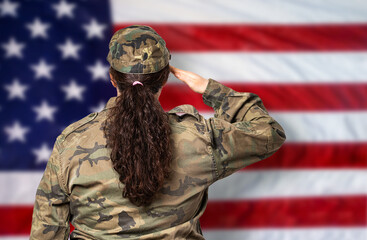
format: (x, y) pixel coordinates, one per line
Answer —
(80, 186)
(138, 49)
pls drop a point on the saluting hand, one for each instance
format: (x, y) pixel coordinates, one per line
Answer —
(196, 82)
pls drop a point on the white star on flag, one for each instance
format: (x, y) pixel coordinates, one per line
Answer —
(94, 29)
(38, 28)
(16, 132)
(16, 90)
(99, 107)
(98, 71)
(42, 69)
(73, 91)
(13, 48)
(45, 111)
(69, 49)
(8, 8)
(43, 153)
(63, 8)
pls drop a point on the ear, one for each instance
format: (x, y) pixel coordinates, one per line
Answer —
(112, 81)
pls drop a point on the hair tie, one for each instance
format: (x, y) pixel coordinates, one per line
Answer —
(137, 82)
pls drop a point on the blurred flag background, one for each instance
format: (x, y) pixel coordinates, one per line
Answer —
(306, 59)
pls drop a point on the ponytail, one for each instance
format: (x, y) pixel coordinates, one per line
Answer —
(138, 132)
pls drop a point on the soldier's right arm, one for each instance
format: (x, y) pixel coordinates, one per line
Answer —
(50, 219)
(242, 132)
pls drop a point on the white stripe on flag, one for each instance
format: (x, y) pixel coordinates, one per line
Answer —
(323, 126)
(234, 67)
(289, 183)
(249, 184)
(239, 11)
(331, 233)
(25, 187)
(320, 126)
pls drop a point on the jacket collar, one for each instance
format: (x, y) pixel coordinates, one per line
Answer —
(111, 103)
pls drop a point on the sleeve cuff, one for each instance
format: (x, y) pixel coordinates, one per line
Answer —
(214, 93)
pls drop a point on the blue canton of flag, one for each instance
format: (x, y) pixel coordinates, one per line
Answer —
(53, 72)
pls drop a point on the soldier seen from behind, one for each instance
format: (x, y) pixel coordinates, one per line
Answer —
(134, 171)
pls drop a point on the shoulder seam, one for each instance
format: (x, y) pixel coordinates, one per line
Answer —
(186, 109)
(64, 185)
(210, 147)
(91, 116)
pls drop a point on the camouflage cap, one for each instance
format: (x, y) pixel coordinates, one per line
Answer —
(138, 49)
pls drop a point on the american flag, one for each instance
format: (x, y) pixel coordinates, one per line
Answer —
(306, 59)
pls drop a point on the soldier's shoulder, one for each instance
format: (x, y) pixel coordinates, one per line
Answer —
(77, 127)
(186, 110)
(188, 119)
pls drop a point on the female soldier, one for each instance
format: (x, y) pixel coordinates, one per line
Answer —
(133, 171)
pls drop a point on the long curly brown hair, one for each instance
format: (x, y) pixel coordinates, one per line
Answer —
(138, 132)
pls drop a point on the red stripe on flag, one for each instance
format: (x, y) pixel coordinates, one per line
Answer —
(338, 211)
(270, 37)
(315, 155)
(303, 97)
(15, 220)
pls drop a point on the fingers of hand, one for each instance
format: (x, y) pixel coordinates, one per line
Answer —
(175, 71)
(180, 74)
(185, 76)
(172, 69)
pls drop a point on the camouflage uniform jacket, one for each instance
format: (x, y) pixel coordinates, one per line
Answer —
(80, 186)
